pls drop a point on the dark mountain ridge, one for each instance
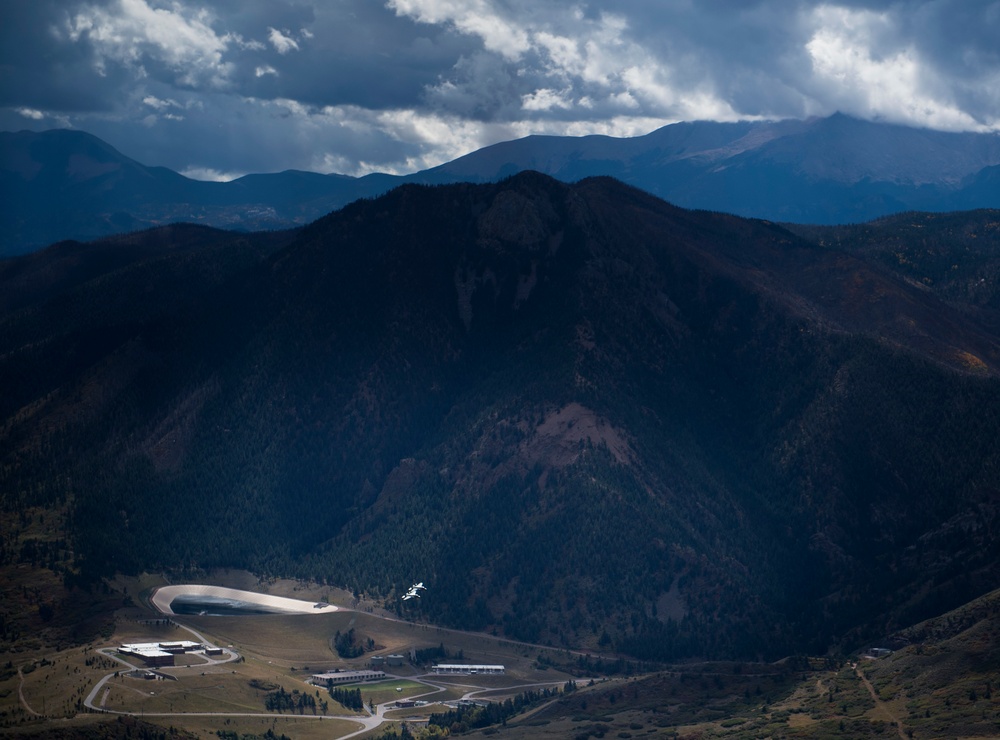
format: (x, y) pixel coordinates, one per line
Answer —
(580, 414)
(66, 184)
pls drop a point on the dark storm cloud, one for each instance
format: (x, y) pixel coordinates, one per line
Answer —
(38, 70)
(228, 86)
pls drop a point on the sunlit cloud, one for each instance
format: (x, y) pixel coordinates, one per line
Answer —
(131, 30)
(282, 42)
(891, 83)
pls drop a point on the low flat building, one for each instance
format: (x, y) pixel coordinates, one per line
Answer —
(158, 653)
(149, 653)
(337, 677)
(180, 646)
(465, 670)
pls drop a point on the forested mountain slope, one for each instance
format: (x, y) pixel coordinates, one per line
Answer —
(579, 414)
(954, 255)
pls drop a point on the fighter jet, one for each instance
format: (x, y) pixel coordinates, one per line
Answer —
(414, 591)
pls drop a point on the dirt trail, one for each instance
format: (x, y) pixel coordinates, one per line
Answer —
(881, 710)
(20, 693)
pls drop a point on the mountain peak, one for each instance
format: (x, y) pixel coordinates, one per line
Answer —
(832, 170)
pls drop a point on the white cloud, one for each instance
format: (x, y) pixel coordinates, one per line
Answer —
(482, 71)
(473, 17)
(857, 70)
(163, 107)
(210, 175)
(130, 30)
(595, 52)
(421, 139)
(53, 119)
(242, 43)
(592, 65)
(544, 99)
(282, 42)
(154, 102)
(35, 115)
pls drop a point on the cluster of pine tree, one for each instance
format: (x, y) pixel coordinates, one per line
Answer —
(474, 717)
(347, 645)
(349, 698)
(281, 700)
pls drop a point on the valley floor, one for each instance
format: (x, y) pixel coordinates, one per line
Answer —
(938, 686)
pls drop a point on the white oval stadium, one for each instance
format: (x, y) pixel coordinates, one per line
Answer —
(218, 600)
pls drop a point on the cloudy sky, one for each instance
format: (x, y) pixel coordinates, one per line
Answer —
(216, 88)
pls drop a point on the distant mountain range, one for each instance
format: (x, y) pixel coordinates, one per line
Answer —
(64, 184)
(580, 414)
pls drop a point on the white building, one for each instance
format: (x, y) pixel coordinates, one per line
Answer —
(335, 677)
(158, 653)
(454, 668)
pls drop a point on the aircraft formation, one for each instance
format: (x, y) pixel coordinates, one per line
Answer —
(414, 591)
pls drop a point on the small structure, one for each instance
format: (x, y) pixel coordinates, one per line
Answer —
(465, 670)
(878, 652)
(213, 651)
(337, 677)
